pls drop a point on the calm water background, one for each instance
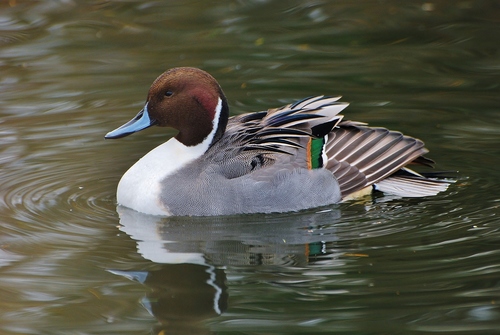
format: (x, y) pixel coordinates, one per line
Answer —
(70, 263)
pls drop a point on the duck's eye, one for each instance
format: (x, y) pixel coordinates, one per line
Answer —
(169, 93)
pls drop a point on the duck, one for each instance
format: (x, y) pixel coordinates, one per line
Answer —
(300, 156)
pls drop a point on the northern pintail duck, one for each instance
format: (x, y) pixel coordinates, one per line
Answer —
(299, 156)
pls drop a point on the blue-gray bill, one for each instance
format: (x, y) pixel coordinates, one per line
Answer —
(139, 122)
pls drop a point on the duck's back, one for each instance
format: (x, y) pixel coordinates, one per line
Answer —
(296, 157)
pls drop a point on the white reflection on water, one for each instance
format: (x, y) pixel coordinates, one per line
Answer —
(195, 240)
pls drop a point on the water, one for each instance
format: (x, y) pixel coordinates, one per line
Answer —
(73, 263)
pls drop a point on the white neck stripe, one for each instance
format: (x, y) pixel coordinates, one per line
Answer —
(215, 124)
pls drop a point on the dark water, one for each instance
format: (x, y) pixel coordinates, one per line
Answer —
(71, 264)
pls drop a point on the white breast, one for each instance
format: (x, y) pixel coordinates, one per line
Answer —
(139, 187)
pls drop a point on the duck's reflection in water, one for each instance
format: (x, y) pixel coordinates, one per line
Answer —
(189, 286)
